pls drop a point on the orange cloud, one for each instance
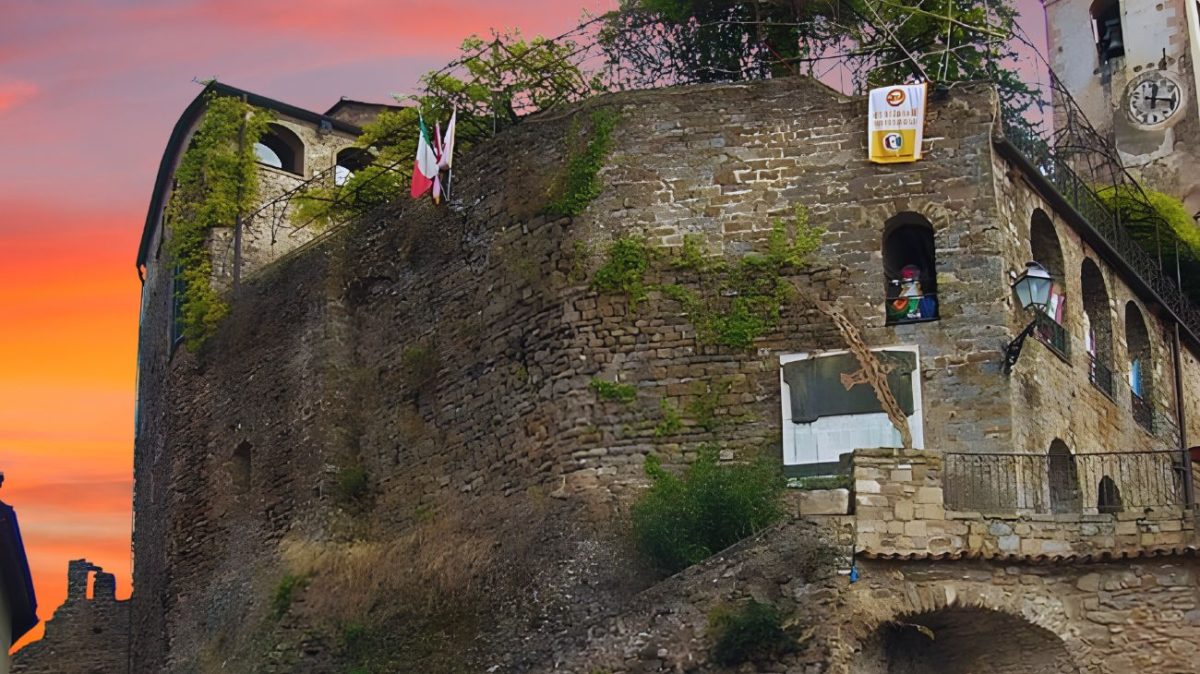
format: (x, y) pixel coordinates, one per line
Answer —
(15, 93)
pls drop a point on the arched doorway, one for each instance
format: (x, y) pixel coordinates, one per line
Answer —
(963, 640)
(1141, 366)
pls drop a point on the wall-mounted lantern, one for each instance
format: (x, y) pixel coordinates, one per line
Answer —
(1032, 287)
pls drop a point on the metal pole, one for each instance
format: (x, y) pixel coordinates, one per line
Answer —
(1189, 488)
(237, 225)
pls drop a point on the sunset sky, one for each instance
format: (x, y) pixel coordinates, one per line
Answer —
(89, 91)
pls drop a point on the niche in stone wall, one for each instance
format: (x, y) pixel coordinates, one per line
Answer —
(829, 409)
(240, 465)
(910, 269)
(1063, 476)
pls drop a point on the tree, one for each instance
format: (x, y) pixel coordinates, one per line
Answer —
(492, 85)
(882, 41)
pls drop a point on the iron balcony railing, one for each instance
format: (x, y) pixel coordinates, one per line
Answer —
(1092, 483)
(1143, 412)
(1051, 333)
(1080, 196)
(1100, 376)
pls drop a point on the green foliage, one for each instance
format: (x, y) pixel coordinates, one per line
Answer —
(679, 521)
(580, 182)
(353, 484)
(624, 270)
(884, 41)
(217, 180)
(752, 631)
(1177, 234)
(738, 302)
(792, 244)
(671, 422)
(285, 592)
(506, 78)
(615, 391)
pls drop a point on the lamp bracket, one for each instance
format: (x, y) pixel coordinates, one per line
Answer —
(1013, 351)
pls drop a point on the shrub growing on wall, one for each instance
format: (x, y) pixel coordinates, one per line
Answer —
(216, 180)
(684, 519)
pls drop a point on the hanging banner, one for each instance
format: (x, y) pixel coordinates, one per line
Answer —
(896, 123)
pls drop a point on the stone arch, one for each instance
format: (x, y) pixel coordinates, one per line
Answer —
(963, 640)
(1045, 249)
(1098, 331)
(909, 268)
(348, 161)
(1141, 365)
(281, 148)
(1063, 478)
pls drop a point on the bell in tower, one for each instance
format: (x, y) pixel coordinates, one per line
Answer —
(1111, 45)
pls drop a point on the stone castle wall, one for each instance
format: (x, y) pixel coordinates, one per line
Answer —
(86, 635)
(441, 359)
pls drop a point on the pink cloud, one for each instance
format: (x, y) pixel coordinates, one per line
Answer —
(16, 92)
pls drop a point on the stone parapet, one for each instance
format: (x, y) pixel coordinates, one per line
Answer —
(900, 511)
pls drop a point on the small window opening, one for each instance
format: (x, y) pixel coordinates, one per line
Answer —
(910, 270)
(1097, 326)
(1141, 367)
(1064, 478)
(1046, 250)
(1109, 496)
(1106, 29)
(240, 466)
(350, 160)
(281, 148)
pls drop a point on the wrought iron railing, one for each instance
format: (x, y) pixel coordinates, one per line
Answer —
(1081, 196)
(1143, 411)
(912, 309)
(1100, 376)
(1051, 333)
(1062, 483)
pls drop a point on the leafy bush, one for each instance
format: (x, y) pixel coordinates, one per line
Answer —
(610, 390)
(1179, 240)
(752, 631)
(682, 520)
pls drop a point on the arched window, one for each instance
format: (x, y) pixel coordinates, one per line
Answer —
(1097, 326)
(1046, 250)
(1141, 366)
(350, 160)
(910, 269)
(1108, 498)
(281, 148)
(1064, 478)
(240, 466)
(1106, 29)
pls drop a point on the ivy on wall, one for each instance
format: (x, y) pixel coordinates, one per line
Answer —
(216, 180)
(580, 182)
(734, 302)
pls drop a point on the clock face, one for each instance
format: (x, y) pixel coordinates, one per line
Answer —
(1154, 99)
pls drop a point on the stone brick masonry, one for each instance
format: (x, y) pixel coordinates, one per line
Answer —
(445, 356)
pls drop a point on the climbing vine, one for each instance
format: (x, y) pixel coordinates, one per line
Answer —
(216, 180)
(580, 182)
(736, 301)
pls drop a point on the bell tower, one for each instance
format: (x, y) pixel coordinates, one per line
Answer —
(1131, 66)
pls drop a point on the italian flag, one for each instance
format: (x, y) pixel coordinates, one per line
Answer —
(425, 168)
